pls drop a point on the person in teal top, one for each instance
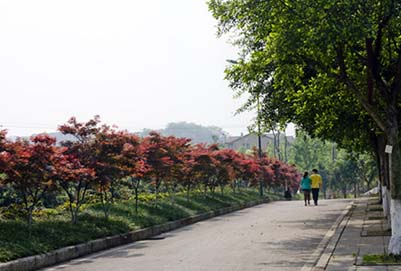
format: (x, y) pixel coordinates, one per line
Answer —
(306, 186)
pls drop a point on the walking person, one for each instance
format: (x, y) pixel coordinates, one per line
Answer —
(316, 185)
(306, 184)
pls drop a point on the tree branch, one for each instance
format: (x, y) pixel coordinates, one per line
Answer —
(371, 68)
(362, 99)
(395, 88)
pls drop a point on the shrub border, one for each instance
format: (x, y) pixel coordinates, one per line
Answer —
(71, 252)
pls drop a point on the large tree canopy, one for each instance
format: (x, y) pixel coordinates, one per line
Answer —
(322, 64)
(332, 67)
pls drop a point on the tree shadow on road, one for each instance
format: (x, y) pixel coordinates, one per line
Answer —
(303, 247)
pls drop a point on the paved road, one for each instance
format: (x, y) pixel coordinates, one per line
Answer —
(276, 236)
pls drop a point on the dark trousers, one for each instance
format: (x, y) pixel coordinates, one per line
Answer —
(306, 195)
(315, 195)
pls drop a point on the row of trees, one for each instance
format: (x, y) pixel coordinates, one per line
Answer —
(343, 172)
(100, 158)
(331, 67)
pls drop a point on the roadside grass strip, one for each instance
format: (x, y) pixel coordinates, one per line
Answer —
(52, 228)
(381, 259)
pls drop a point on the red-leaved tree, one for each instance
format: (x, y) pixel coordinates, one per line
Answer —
(133, 164)
(204, 166)
(226, 173)
(75, 164)
(30, 169)
(158, 159)
(178, 150)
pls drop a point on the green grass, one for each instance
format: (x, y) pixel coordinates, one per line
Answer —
(381, 259)
(52, 228)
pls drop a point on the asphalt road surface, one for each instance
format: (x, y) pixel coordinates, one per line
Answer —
(275, 236)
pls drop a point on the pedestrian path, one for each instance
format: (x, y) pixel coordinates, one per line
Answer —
(279, 236)
(365, 232)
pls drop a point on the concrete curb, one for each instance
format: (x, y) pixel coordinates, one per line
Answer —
(322, 254)
(68, 253)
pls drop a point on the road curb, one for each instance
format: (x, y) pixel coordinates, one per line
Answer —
(71, 252)
(319, 259)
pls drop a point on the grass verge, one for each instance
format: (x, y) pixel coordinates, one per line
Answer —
(378, 259)
(52, 228)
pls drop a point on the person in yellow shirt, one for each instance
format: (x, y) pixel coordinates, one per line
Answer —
(316, 185)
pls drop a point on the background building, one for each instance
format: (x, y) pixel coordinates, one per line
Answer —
(249, 141)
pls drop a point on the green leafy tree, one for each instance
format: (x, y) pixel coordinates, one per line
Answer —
(326, 64)
(308, 153)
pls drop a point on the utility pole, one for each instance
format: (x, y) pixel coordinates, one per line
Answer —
(259, 130)
(259, 143)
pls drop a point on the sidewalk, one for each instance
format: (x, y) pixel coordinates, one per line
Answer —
(362, 231)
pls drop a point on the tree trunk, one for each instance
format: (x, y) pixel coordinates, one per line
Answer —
(105, 203)
(172, 197)
(136, 199)
(380, 181)
(394, 246)
(285, 147)
(345, 191)
(157, 189)
(384, 176)
(30, 219)
(188, 189)
(75, 214)
(278, 146)
(212, 189)
(274, 143)
(395, 188)
(71, 209)
(395, 169)
(368, 183)
(385, 201)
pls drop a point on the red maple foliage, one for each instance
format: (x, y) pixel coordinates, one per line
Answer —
(75, 164)
(101, 158)
(30, 169)
(158, 159)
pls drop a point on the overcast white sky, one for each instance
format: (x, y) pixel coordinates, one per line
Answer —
(137, 64)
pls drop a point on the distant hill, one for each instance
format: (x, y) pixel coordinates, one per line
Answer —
(196, 132)
(59, 137)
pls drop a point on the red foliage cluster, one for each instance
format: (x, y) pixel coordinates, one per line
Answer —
(101, 157)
